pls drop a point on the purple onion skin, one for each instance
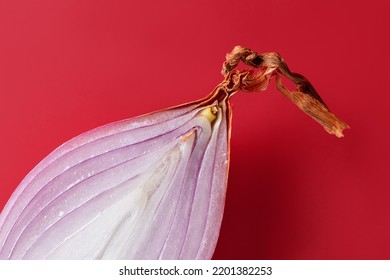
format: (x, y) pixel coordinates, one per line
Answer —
(150, 187)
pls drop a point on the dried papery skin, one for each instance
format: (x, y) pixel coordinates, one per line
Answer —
(304, 96)
(151, 187)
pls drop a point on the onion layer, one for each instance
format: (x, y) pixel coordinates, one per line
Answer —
(151, 187)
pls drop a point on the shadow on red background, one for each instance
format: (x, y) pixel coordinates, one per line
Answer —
(294, 191)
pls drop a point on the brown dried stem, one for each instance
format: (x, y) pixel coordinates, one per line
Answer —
(272, 64)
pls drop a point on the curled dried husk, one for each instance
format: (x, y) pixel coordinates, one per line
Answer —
(304, 95)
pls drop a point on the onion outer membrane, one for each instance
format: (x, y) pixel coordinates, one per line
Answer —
(151, 187)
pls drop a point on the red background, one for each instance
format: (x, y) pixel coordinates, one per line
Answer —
(294, 192)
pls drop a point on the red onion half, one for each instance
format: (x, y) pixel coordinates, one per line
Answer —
(151, 187)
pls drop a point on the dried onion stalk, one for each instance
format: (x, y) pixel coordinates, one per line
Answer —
(150, 187)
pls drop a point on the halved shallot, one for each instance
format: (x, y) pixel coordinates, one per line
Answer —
(150, 187)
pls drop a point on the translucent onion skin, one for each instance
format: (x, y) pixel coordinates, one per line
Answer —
(151, 187)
